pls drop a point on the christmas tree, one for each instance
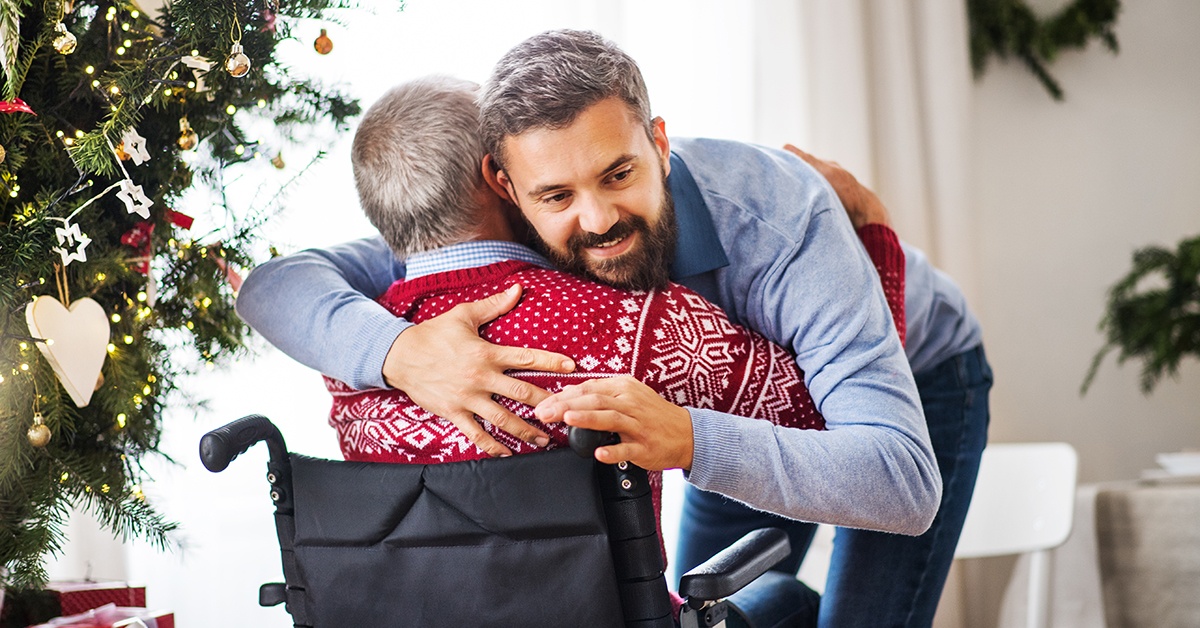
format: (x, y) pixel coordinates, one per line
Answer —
(110, 111)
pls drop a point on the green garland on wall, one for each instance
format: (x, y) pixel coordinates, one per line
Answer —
(1010, 28)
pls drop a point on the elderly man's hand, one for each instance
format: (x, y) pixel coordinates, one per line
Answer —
(655, 434)
(861, 203)
(447, 369)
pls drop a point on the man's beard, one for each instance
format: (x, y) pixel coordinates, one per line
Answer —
(644, 267)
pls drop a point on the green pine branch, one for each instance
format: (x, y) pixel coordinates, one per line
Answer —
(1153, 313)
(1007, 28)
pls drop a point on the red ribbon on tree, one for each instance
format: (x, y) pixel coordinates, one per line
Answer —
(183, 221)
(15, 105)
(138, 238)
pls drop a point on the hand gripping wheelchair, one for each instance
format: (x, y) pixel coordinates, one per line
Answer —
(545, 539)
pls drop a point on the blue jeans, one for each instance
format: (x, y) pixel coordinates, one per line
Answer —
(875, 579)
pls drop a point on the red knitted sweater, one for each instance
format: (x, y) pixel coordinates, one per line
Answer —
(673, 340)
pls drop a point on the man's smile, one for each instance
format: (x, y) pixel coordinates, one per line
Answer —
(613, 247)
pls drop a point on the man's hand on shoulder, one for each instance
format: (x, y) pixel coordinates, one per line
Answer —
(447, 369)
(655, 433)
(863, 206)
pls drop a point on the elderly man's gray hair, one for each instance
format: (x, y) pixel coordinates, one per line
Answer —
(547, 80)
(416, 159)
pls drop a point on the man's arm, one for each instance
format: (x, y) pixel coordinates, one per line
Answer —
(317, 306)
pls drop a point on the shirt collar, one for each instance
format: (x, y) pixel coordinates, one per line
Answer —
(471, 254)
(697, 249)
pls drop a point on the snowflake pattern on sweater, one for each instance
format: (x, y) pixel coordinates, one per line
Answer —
(673, 340)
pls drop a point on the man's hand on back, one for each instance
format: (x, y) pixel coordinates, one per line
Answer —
(655, 433)
(447, 369)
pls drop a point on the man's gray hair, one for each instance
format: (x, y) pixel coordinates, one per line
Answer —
(547, 80)
(416, 159)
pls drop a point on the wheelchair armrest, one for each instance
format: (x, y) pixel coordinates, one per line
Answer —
(735, 566)
(219, 447)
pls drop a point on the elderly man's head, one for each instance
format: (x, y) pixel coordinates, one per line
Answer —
(566, 121)
(416, 159)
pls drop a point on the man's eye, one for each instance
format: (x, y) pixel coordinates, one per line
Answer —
(556, 198)
(622, 175)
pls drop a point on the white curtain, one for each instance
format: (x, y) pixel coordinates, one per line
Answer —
(884, 88)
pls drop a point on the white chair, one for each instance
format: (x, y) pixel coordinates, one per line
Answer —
(1024, 502)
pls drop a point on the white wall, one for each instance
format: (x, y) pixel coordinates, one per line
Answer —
(1064, 193)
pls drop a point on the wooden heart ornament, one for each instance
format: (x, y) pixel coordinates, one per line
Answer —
(78, 342)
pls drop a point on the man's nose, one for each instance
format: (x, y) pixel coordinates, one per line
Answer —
(595, 216)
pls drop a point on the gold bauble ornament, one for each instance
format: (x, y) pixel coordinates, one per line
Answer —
(238, 64)
(323, 44)
(187, 137)
(3, 154)
(65, 41)
(38, 434)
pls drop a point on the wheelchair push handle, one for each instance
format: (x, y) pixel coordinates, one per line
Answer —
(219, 447)
(585, 442)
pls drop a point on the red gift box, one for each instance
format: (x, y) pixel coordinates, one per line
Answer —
(77, 596)
(111, 616)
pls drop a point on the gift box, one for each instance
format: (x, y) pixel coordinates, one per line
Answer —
(113, 616)
(77, 596)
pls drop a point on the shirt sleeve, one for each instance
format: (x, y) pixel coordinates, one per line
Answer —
(873, 467)
(318, 307)
(886, 254)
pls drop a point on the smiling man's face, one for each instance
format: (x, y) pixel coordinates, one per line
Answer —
(595, 192)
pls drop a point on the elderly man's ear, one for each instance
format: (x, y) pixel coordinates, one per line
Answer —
(497, 179)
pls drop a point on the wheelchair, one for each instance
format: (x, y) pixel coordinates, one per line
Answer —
(545, 539)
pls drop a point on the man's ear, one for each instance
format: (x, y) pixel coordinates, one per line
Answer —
(496, 178)
(658, 128)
